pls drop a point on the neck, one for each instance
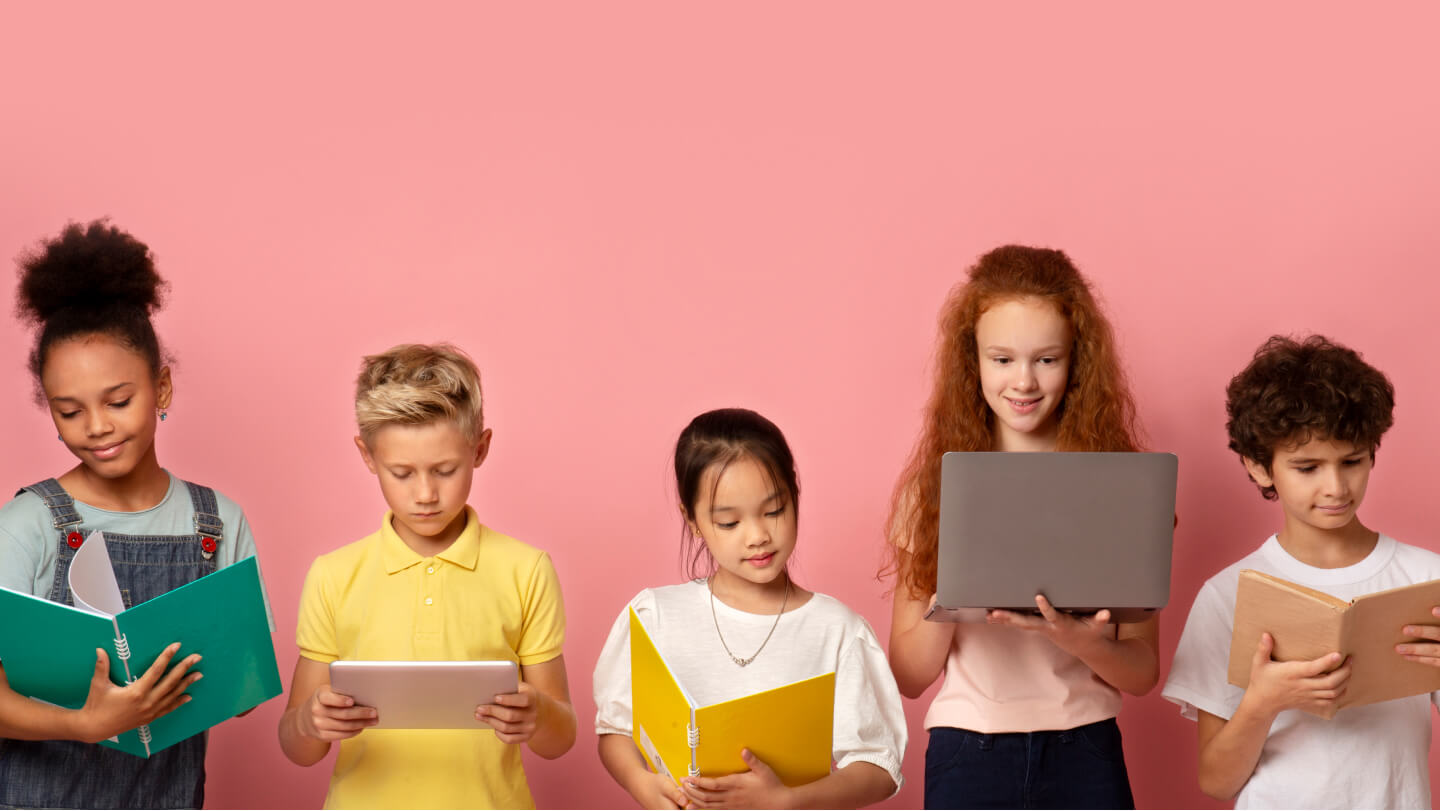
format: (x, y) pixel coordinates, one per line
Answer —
(753, 598)
(142, 488)
(1035, 441)
(1327, 548)
(430, 546)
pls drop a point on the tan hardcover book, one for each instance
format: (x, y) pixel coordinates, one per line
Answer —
(1306, 623)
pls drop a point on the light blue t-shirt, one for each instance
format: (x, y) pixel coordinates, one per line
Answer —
(28, 537)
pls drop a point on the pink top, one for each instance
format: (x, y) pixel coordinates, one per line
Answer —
(1001, 679)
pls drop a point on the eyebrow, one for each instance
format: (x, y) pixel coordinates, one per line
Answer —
(103, 393)
(1051, 348)
(775, 496)
(1306, 460)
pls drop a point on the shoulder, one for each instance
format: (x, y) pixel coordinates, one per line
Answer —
(25, 516)
(1418, 564)
(346, 559)
(1222, 585)
(500, 547)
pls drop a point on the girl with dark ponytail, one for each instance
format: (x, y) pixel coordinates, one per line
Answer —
(100, 371)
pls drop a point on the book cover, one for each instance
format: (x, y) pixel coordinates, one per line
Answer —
(1306, 623)
(789, 727)
(48, 649)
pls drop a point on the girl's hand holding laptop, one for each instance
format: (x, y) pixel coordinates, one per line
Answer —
(1077, 634)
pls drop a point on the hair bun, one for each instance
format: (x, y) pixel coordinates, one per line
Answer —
(86, 269)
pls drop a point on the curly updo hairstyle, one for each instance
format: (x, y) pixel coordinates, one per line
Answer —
(92, 279)
(1295, 391)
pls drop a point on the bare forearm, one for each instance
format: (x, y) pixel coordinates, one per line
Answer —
(1129, 665)
(25, 719)
(918, 653)
(1228, 758)
(620, 757)
(302, 749)
(857, 785)
(555, 728)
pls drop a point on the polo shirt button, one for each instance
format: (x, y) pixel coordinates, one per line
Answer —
(428, 601)
(430, 570)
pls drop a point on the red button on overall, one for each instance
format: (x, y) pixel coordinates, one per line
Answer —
(207, 543)
(74, 539)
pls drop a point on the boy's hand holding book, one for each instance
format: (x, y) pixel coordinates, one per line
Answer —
(1427, 653)
(111, 709)
(1312, 685)
(331, 716)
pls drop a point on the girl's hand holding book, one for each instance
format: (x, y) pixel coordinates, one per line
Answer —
(331, 716)
(111, 709)
(757, 788)
(1428, 653)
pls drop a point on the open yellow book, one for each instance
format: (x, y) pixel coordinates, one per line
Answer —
(788, 728)
(1306, 623)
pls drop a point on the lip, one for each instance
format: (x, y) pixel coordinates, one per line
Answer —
(1334, 509)
(107, 451)
(425, 516)
(761, 560)
(1023, 406)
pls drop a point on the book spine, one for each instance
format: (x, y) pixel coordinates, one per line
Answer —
(692, 739)
(122, 650)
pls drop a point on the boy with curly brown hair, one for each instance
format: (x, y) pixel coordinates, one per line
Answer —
(1306, 418)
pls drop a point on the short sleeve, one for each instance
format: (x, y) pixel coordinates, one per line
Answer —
(542, 634)
(27, 546)
(315, 629)
(870, 723)
(611, 682)
(18, 564)
(1197, 680)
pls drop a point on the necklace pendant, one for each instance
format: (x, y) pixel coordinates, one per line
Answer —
(742, 662)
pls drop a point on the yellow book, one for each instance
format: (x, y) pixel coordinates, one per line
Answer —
(788, 728)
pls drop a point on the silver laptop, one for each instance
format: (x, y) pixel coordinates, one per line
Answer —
(424, 695)
(1087, 530)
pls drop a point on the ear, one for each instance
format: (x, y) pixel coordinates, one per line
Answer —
(164, 388)
(482, 448)
(365, 455)
(1260, 473)
(689, 522)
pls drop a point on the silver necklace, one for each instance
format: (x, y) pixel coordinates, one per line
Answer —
(738, 660)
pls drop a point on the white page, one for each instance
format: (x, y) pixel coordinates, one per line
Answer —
(92, 578)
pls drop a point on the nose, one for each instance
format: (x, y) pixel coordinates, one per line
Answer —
(1335, 483)
(425, 490)
(1025, 377)
(760, 534)
(97, 422)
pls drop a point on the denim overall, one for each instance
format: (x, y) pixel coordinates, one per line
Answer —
(82, 775)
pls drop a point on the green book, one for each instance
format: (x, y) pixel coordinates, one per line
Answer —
(48, 649)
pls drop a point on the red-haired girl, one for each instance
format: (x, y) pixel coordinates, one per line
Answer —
(1025, 716)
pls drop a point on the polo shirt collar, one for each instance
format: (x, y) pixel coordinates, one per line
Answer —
(396, 556)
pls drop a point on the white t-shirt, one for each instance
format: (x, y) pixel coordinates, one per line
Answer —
(819, 637)
(1373, 756)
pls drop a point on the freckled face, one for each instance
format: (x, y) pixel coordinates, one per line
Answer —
(1025, 353)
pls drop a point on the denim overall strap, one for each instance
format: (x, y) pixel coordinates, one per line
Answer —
(80, 775)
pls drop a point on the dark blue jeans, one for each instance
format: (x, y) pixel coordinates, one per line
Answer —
(1070, 768)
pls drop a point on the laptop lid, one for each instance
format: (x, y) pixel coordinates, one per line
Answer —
(1088, 530)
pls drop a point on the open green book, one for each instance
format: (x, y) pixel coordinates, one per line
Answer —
(48, 649)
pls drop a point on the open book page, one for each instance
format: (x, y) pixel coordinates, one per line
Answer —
(1378, 673)
(92, 578)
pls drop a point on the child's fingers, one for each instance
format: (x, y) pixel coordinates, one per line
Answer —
(157, 667)
(515, 699)
(1423, 631)
(360, 712)
(173, 679)
(1319, 665)
(330, 698)
(506, 715)
(1047, 610)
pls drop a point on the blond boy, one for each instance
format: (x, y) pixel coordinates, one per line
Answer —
(433, 583)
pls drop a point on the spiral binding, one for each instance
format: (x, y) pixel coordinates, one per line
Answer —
(692, 736)
(144, 731)
(122, 648)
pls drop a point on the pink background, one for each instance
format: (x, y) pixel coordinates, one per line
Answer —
(632, 213)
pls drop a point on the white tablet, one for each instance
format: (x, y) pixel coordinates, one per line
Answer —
(424, 695)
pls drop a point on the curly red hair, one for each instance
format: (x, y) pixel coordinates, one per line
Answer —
(1097, 412)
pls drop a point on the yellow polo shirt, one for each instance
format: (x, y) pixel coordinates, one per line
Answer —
(488, 596)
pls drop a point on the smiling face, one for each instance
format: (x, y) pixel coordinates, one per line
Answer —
(105, 402)
(748, 523)
(425, 473)
(1320, 484)
(1024, 348)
